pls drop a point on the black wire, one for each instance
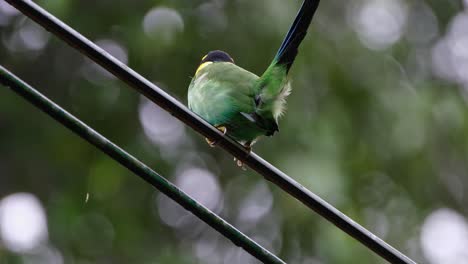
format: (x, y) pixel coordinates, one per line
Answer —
(158, 96)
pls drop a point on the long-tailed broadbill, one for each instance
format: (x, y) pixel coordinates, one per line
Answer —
(239, 103)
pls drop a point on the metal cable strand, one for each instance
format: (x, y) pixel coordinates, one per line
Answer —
(161, 98)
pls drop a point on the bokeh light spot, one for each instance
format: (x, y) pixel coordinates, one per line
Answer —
(23, 223)
(256, 204)
(159, 126)
(423, 26)
(380, 23)
(444, 237)
(33, 36)
(211, 18)
(29, 37)
(450, 53)
(163, 24)
(202, 185)
(6, 13)
(94, 72)
(198, 183)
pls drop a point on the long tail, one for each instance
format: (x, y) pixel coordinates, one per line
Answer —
(288, 50)
(273, 87)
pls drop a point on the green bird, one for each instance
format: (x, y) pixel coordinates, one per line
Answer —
(239, 103)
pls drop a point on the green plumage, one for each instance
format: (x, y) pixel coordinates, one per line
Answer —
(224, 95)
(247, 105)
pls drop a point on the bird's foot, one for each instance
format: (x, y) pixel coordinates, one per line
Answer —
(239, 163)
(213, 143)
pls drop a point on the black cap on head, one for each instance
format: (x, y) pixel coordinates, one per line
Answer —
(217, 56)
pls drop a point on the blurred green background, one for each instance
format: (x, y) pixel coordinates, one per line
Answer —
(377, 125)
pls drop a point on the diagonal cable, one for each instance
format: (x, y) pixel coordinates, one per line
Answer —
(136, 166)
(161, 98)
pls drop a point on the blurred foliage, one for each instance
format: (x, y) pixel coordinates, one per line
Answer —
(376, 125)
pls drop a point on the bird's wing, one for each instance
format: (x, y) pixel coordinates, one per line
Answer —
(222, 91)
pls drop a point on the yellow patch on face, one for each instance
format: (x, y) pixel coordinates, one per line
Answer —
(203, 65)
(204, 57)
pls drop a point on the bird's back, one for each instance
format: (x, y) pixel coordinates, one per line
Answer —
(220, 90)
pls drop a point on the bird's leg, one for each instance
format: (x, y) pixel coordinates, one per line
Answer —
(213, 143)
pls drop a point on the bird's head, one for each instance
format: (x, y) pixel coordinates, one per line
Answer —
(214, 57)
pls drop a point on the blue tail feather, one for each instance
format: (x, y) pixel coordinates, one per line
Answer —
(289, 48)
